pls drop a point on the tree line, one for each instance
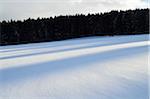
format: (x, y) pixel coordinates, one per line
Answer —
(128, 22)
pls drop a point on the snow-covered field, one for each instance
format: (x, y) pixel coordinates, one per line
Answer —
(87, 68)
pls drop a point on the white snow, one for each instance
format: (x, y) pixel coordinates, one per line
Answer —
(87, 68)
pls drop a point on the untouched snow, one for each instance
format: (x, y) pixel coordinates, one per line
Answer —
(88, 68)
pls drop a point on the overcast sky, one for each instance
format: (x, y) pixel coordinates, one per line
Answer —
(23, 9)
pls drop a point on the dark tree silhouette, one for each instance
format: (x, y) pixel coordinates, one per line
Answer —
(128, 22)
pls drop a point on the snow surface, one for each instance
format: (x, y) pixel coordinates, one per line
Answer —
(88, 68)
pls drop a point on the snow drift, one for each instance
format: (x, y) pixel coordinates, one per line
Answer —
(87, 68)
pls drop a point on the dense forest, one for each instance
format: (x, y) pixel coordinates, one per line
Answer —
(128, 22)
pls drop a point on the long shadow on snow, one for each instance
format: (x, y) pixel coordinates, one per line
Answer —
(62, 50)
(122, 39)
(48, 44)
(54, 51)
(22, 73)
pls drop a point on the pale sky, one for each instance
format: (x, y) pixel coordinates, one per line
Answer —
(23, 9)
